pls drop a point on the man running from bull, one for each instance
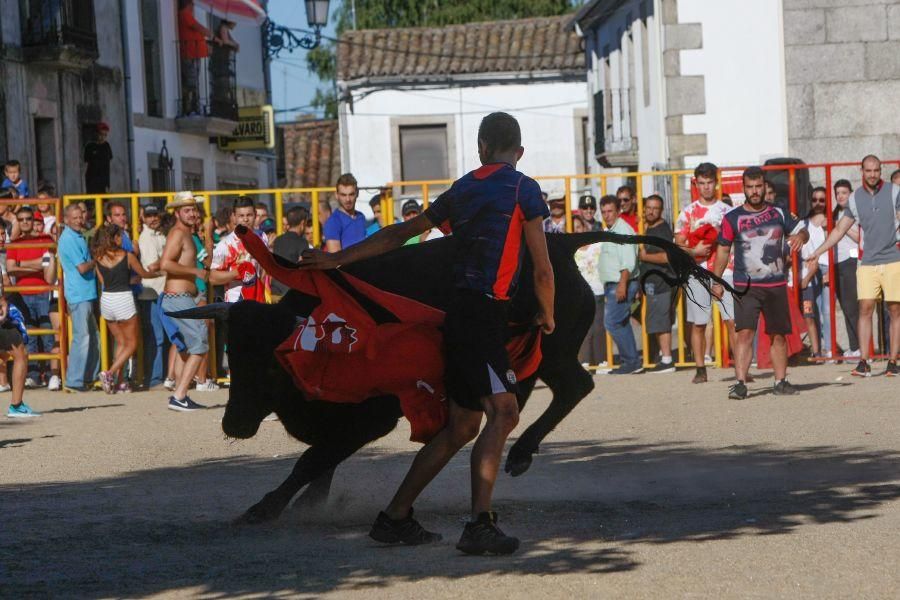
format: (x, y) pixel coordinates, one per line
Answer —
(488, 211)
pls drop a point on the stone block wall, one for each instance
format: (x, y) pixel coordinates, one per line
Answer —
(842, 69)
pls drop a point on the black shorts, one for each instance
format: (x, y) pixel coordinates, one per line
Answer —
(475, 349)
(9, 337)
(772, 302)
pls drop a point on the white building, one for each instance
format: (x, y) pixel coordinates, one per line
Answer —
(411, 100)
(159, 117)
(677, 82)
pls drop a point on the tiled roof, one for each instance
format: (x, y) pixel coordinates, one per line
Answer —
(312, 153)
(524, 45)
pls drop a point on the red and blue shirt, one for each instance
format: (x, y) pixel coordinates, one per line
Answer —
(486, 211)
(761, 253)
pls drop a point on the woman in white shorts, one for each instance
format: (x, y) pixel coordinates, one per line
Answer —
(114, 267)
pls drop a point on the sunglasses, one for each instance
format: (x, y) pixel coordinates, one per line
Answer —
(24, 219)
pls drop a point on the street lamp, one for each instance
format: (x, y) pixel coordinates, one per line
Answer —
(280, 38)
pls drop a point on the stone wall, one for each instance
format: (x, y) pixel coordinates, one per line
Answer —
(842, 68)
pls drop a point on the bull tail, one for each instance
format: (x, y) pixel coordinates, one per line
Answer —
(682, 264)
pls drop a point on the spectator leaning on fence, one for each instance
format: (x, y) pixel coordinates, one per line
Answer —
(151, 243)
(346, 226)
(593, 348)
(660, 313)
(556, 222)
(628, 206)
(12, 346)
(814, 279)
(696, 230)
(762, 236)
(291, 244)
(33, 267)
(876, 207)
(618, 268)
(847, 259)
(80, 292)
(587, 206)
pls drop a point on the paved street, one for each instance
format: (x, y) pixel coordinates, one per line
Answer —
(652, 488)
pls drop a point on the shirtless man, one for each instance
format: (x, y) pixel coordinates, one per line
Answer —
(179, 261)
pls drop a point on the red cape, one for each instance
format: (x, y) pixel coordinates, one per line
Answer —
(340, 353)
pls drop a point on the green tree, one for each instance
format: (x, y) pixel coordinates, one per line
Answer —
(381, 14)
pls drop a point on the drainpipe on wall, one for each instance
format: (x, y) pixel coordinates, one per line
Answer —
(267, 79)
(129, 115)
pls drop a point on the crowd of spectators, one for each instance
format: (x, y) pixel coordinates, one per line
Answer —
(182, 257)
(753, 242)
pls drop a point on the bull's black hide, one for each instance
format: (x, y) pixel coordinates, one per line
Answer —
(259, 386)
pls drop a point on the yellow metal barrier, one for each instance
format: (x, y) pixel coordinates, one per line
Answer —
(61, 333)
(677, 182)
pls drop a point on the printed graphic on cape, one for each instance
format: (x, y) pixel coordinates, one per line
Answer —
(333, 332)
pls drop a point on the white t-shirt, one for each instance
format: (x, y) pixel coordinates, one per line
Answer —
(698, 214)
(817, 235)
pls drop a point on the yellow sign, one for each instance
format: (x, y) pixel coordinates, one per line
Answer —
(255, 130)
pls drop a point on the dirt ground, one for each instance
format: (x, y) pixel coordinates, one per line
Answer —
(652, 488)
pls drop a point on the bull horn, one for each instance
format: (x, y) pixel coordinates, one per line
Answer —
(216, 310)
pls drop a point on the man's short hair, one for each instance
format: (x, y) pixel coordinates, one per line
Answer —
(114, 204)
(375, 201)
(625, 188)
(752, 174)
(25, 209)
(820, 188)
(243, 202)
(656, 197)
(262, 205)
(610, 199)
(71, 208)
(707, 170)
(347, 180)
(297, 215)
(499, 132)
(862, 163)
(12, 163)
(223, 214)
(843, 183)
(894, 174)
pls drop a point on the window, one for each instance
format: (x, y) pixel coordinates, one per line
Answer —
(45, 150)
(160, 173)
(423, 152)
(152, 56)
(599, 124)
(191, 173)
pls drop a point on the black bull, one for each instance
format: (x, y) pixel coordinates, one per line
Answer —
(334, 432)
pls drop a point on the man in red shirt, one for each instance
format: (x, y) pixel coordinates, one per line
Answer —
(192, 42)
(627, 206)
(32, 266)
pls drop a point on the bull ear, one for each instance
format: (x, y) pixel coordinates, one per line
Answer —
(216, 310)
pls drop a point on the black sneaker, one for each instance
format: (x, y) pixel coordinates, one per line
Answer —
(700, 375)
(738, 391)
(184, 405)
(862, 369)
(891, 370)
(402, 531)
(662, 367)
(482, 536)
(784, 388)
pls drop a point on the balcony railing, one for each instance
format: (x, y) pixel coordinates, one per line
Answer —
(62, 30)
(614, 135)
(209, 86)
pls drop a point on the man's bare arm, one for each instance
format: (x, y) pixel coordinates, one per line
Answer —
(722, 253)
(332, 246)
(544, 286)
(840, 230)
(384, 240)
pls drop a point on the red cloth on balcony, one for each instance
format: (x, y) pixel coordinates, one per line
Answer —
(341, 354)
(191, 36)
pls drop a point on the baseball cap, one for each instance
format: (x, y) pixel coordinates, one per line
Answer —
(410, 206)
(587, 201)
(101, 126)
(151, 209)
(267, 226)
(38, 216)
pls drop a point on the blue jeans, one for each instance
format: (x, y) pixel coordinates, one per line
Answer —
(36, 310)
(617, 319)
(84, 349)
(823, 310)
(153, 339)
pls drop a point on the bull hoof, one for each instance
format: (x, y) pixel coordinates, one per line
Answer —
(517, 462)
(267, 509)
